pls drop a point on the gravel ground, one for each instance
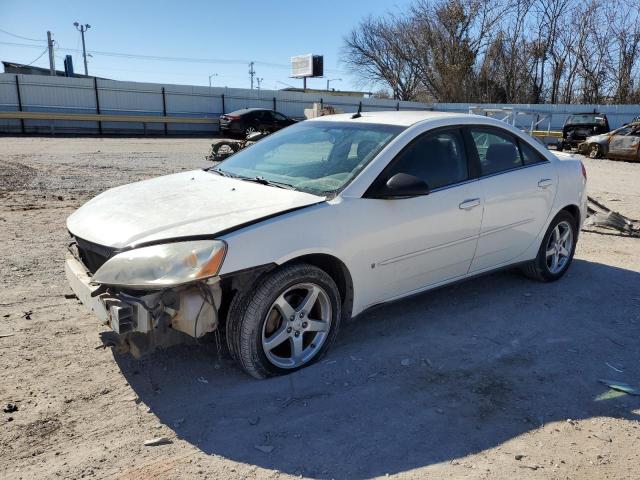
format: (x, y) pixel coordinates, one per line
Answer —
(492, 378)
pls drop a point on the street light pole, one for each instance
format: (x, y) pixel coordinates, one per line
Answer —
(332, 80)
(212, 75)
(82, 29)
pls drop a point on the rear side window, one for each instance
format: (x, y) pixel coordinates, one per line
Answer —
(437, 158)
(497, 151)
(529, 155)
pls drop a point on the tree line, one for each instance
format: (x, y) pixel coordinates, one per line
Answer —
(501, 51)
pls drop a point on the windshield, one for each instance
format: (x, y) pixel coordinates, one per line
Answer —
(585, 119)
(316, 157)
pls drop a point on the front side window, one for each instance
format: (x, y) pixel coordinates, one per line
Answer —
(437, 158)
(497, 151)
(318, 157)
(279, 116)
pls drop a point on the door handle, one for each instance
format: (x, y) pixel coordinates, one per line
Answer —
(545, 182)
(469, 204)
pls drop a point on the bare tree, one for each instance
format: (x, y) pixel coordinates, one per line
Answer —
(373, 50)
(511, 51)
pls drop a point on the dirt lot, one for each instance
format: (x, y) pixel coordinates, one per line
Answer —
(493, 378)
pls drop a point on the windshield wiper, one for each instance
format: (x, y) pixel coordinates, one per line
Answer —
(271, 183)
(220, 172)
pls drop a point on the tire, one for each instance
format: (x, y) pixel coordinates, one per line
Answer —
(249, 130)
(256, 320)
(224, 149)
(560, 146)
(595, 151)
(539, 268)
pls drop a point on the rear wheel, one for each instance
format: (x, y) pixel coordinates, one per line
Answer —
(249, 130)
(288, 321)
(556, 251)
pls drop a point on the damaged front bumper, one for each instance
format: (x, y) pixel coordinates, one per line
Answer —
(144, 320)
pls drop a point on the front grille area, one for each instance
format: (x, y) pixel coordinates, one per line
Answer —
(93, 255)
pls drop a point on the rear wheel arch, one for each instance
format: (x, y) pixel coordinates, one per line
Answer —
(574, 211)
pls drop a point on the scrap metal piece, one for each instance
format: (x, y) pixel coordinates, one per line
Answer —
(598, 215)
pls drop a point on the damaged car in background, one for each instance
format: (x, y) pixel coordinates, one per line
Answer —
(579, 126)
(621, 144)
(279, 244)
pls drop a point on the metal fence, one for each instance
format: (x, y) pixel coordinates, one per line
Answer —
(35, 93)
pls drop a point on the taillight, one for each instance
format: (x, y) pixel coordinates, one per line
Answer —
(584, 171)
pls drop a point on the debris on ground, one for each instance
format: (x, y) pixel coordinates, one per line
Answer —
(519, 457)
(27, 315)
(613, 367)
(599, 215)
(69, 296)
(254, 420)
(621, 386)
(203, 380)
(10, 408)
(405, 362)
(3, 335)
(264, 448)
(157, 441)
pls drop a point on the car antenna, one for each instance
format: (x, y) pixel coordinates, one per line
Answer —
(357, 114)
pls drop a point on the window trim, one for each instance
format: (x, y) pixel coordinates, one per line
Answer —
(375, 184)
(476, 158)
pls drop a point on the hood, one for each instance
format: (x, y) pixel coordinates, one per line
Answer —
(601, 139)
(179, 205)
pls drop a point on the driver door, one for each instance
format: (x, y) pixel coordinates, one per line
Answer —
(425, 240)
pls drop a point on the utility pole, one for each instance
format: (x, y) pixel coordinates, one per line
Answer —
(252, 73)
(52, 59)
(259, 80)
(82, 29)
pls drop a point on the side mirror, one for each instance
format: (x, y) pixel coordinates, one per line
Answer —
(403, 185)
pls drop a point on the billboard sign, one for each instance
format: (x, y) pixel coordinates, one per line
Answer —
(308, 65)
(302, 66)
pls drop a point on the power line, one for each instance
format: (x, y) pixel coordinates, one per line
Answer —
(23, 38)
(170, 59)
(34, 61)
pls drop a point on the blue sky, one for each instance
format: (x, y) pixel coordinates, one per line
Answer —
(236, 31)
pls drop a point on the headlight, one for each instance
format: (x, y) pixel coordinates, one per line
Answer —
(161, 266)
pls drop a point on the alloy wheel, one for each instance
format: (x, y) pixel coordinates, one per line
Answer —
(297, 325)
(559, 247)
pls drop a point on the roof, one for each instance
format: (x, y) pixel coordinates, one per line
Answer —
(13, 67)
(403, 118)
(246, 110)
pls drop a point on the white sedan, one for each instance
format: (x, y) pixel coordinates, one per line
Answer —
(281, 242)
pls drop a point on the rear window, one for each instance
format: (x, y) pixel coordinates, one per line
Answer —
(585, 119)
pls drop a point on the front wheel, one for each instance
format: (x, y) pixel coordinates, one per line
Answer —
(286, 322)
(594, 151)
(556, 251)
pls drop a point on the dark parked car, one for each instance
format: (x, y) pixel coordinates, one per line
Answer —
(249, 120)
(579, 126)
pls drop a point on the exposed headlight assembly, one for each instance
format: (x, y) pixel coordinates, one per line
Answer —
(160, 266)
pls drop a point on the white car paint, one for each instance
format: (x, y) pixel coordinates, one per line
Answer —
(179, 205)
(391, 248)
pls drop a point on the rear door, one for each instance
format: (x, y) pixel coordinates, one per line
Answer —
(518, 185)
